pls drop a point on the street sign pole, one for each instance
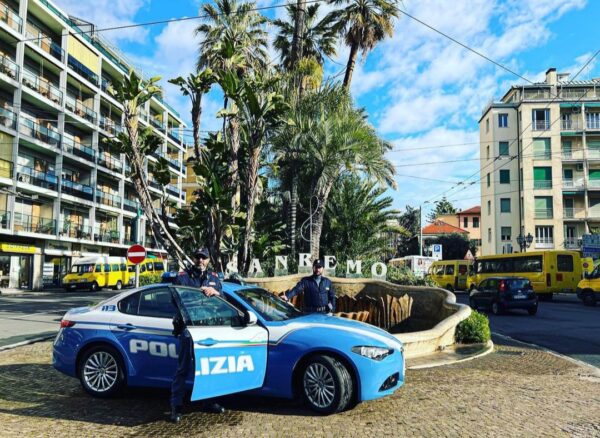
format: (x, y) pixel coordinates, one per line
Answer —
(137, 275)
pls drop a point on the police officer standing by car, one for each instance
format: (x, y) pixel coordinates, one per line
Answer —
(208, 282)
(319, 296)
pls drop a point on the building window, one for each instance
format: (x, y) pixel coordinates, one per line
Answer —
(542, 177)
(503, 148)
(503, 120)
(504, 176)
(489, 207)
(542, 149)
(544, 235)
(488, 152)
(543, 207)
(487, 125)
(505, 233)
(488, 179)
(540, 119)
(476, 222)
(465, 222)
(504, 205)
(489, 235)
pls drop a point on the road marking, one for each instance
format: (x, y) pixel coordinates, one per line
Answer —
(593, 369)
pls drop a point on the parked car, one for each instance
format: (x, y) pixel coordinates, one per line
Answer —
(247, 339)
(502, 293)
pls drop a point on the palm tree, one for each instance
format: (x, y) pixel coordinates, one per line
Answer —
(319, 37)
(363, 23)
(340, 141)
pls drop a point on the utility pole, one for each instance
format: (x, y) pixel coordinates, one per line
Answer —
(421, 229)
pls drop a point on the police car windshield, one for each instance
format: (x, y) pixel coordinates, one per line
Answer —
(268, 305)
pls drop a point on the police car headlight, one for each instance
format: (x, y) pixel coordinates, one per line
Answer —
(375, 353)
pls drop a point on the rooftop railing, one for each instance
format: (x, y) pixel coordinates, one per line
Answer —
(78, 149)
(11, 18)
(9, 67)
(34, 224)
(77, 189)
(43, 86)
(47, 134)
(37, 178)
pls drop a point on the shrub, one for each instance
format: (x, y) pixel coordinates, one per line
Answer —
(474, 329)
(404, 276)
(145, 280)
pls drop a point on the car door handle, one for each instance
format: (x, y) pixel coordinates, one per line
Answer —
(126, 326)
(207, 342)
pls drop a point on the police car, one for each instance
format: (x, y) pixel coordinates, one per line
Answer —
(246, 339)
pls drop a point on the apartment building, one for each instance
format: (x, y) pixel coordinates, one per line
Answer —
(540, 165)
(63, 194)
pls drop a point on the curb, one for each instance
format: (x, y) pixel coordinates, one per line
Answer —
(27, 342)
(487, 349)
(593, 369)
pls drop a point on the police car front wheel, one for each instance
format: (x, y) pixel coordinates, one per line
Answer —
(327, 385)
(101, 371)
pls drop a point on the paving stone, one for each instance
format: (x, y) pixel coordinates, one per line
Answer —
(513, 392)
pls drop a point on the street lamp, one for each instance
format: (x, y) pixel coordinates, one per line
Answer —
(421, 227)
(524, 241)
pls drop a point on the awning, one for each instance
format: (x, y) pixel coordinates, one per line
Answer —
(592, 105)
(570, 105)
(570, 134)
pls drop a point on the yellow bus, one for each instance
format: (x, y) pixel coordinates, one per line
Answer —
(549, 271)
(151, 265)
(450, 274)
(94, 273)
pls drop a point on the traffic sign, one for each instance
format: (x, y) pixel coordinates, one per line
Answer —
(136, 254)
(436, 252)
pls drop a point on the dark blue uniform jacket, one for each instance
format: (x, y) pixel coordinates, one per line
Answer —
(199, 279)
(315, 297)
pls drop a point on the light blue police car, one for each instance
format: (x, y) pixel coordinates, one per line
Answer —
(247, 339)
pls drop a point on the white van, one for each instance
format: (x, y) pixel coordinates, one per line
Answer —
(419, 265)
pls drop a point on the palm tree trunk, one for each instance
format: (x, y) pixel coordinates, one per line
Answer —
(251, 187)
(196, 116)
(234, 144)
(319, 215)
(293, 214)
(350, 65)
(298, 38)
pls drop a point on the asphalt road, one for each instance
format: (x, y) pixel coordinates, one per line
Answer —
(34, 314)
(563, 325)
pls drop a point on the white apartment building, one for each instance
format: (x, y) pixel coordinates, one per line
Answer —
(540, 165)
(62, 193)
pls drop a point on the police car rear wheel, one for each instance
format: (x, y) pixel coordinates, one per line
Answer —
(327, 385)
(101, 372)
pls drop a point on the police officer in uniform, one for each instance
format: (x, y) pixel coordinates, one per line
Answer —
(319, 296)
(208, 282)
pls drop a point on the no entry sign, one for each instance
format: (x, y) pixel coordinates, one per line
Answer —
(136, 254)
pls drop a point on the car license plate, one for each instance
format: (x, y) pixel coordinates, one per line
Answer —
(519, 297)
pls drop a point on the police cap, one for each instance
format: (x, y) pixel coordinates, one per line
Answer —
(201, 252)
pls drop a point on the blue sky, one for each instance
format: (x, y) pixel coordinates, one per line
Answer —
(422, 91)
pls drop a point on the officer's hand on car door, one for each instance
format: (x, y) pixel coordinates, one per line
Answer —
(210, 291)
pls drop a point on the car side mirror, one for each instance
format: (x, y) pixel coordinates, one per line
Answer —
(251, 318)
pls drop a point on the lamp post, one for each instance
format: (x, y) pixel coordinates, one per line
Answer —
(421, 227)
(524, 241)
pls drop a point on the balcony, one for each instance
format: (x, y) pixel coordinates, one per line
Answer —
(543, 213)
(110, 162)
(42, 86)
(537, 95)
(173, 190)
(8, 119)
(109, 199)
(540, 125)
(46, 134)
(593, 184)
(573, 213)
(29, 175)
(154, 184)
(4, 219)
(107, 87)
(572, 154)
(43, 41)
(110, 125)
(82, 70)
(542, 155)
(174, 163)
(175, 135)
(542, 184)
(6, 169)
(11, 18)
(572, 243)
(157, 123)
(131, 205)
(75, 231)
(573, 184)
(571, 125)
(104, 234)
(78, 149)
(544, 242)
(77, 189)
(592, 124)
(34, 224)
(77, 107)
(9, 67)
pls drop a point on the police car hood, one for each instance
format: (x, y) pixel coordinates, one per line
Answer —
(344, 324)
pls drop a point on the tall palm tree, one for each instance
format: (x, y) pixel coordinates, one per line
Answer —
(363, 24)
(318, 37)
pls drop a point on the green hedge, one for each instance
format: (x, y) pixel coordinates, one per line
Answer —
(404, 276)
(145, 280)
(474, 329)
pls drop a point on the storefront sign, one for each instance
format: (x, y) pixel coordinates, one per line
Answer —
(16, 248)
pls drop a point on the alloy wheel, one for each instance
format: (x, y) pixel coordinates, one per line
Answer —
(100, 371)
(319, 385)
